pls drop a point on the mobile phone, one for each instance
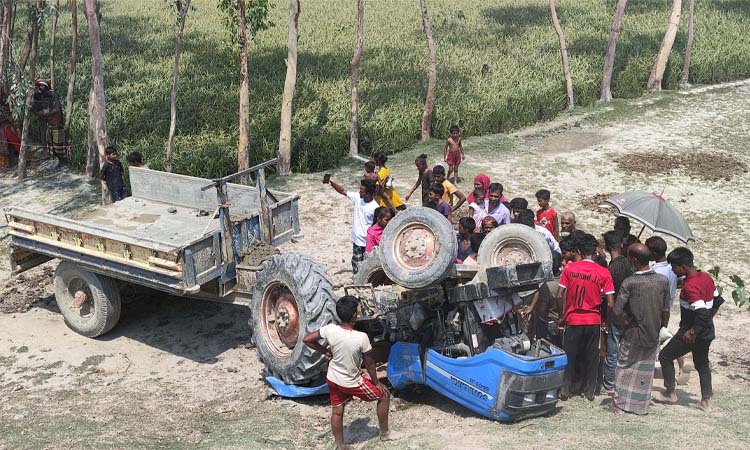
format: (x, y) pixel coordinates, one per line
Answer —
(326, 178)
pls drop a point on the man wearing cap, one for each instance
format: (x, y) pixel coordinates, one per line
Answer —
(47, 106)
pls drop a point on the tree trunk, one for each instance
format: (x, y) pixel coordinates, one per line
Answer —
(23, 57)
(657, 73)
(182, 11)
(429, 102)
(563, 55)
(97, 80)
(52, 39)
(92, 152)
(609, 58)
(243, 154)
(5, 36)
(689, 47)
(22, 157)
(358, 47)
(285, 132)
(72, 68)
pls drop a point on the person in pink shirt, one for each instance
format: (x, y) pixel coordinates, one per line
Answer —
(375, 232)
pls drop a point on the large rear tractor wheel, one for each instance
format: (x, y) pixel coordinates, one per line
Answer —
(418, 248)
(291, 298)
(90, 303)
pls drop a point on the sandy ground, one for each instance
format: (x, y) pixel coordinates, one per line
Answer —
(179, 373)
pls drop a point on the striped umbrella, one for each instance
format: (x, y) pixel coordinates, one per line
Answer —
(653, 211)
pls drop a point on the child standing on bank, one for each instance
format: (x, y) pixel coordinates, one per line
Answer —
(111, 174)
(545, 215)
(453, 152)
(346, 349)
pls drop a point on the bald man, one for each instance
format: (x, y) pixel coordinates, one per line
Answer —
(643, 305)
(567, 223)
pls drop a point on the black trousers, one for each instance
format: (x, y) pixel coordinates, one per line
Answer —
(675, 348)
(581, 345)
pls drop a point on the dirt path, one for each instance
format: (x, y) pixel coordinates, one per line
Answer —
(179, 374)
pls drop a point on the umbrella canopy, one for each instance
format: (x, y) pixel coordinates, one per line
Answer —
(653, 211)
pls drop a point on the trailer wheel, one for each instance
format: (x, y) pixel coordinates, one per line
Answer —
(90, 303)
(371, 271)
(418, 248)
(292, 297)
(513, 244)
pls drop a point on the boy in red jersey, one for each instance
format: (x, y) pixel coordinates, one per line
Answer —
(545, 215)
(579, 296)
(696, 327)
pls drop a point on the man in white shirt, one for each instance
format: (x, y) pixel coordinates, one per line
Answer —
(346, 349)
(363, 216)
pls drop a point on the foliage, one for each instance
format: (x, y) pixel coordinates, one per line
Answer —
(739, 294)
(514, 38)
(256, 16)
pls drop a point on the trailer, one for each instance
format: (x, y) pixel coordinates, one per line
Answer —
(192, 238)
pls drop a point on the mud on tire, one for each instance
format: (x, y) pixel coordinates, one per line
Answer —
(291, 298)
(98, 297)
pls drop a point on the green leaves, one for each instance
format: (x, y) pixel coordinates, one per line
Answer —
(256, 17)
(739, 295)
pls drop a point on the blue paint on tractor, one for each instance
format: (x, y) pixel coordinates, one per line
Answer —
(293, 391)
(496, 384)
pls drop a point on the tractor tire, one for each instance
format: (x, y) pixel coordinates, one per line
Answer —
(418, 248)
(90, 303)
(292, 297)
(371, 271)
(513, 244)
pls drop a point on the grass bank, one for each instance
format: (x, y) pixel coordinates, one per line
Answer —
(511, 39)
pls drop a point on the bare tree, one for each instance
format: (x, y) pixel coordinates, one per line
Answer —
(23, 58)
(5, 36)
(609, 58)
(97, 81)
(182, 12)
(92, 151)
(53, 38)
(563, 55)
(22, 157)
(429, 102)
(358, 47)
(689, 47)
(285, 132)
(72, 67)
(657, 73)
(243, 152)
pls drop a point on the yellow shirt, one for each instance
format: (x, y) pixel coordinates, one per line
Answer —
(449, 189)
(384, 173)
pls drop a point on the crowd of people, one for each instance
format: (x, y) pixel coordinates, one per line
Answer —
(615, 294)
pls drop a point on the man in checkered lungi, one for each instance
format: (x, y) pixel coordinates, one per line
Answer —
(643, 304)
(47, 106)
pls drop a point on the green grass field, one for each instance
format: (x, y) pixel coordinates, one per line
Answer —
(513, 38)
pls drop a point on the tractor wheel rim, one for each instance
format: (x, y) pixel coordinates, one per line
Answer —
(415, 247)
(513, 253)
(280, 319)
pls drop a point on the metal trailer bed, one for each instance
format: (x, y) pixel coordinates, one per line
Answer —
(170, 235)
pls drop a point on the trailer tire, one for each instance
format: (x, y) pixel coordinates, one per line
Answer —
(371, 271)
(100, 295)
(513, 244)
(418, 248)
(292, 297)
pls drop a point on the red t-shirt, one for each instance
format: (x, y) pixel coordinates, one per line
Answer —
(585, 282)
(547, 219)
(698, 291)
